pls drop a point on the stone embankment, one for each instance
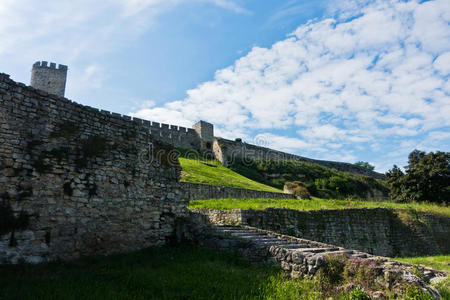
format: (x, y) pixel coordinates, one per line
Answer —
(300, 257)
(378, 231)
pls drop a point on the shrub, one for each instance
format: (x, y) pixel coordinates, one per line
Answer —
(427, 178)
(365, 165)
(297, 188)
(302, 192)
(358, 294)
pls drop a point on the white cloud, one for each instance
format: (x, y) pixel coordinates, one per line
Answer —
(375, 79)
(78, 33)
(442, 64)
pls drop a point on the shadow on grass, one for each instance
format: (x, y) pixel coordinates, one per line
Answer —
(176, 272)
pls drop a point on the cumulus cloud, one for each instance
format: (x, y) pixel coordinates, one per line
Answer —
(373, 77)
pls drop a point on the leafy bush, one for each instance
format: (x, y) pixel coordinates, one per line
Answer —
(302, 192)
(427, 178)
(365, 165)
(359, 294)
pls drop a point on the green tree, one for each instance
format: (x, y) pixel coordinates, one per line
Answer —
(426, 178)
(365, 165)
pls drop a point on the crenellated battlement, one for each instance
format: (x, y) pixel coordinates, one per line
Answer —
(49, 78)
(44, 64)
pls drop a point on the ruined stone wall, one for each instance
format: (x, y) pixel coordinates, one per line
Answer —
(77, 181)
(227, 151)
(197, 191)
(376, 231)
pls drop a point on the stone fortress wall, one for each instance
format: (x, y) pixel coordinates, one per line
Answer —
(77, 181)
(200, 137)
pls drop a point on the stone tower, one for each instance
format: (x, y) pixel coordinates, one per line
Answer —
(206, 132)
(49, 78)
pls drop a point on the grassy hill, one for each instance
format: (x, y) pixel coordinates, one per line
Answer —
(271, 175)
(320, 181)
(213, 173)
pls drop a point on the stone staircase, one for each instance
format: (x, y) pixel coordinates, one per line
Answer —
(301, 257)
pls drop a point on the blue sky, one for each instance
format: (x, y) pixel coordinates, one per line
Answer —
(340, 80)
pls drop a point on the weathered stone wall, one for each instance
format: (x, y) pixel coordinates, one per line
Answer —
(227, 151)
(197, 191)
(376, 231)
(77, 181)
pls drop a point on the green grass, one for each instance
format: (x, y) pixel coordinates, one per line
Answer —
(211, 172)
(170, 272)
(440, 262)
(177, 272)
(316, 204)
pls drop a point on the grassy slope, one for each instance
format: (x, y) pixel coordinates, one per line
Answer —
(198, 171)
(179, 272)
(440, 262)
(315, 204)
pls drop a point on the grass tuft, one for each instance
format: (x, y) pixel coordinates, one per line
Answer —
(440, 262)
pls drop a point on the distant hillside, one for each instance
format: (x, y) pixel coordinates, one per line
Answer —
(319, 180)
(271, 175)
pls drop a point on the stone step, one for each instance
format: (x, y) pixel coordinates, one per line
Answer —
(266, 242)
(245, 234)
(297, 256)
(318, 250)
(261, 238)
(360, 255)
(237, 230)
(341, 252)
(293, 246)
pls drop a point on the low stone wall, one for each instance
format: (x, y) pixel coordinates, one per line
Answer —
(197, 191)
(377, 231)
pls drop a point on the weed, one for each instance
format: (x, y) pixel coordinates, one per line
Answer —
(358, 294)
